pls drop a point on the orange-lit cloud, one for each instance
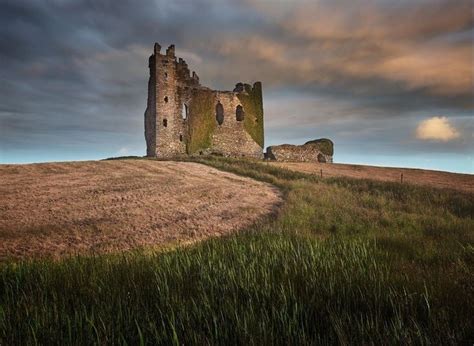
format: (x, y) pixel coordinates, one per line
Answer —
(437, 128)
(404, 43)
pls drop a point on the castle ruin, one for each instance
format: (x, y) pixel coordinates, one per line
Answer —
(185, 118)
(318, 150)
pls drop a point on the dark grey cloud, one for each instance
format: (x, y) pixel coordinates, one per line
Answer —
(74, 73)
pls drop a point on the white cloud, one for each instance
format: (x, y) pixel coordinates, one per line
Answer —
(123, 151)
(436, 128)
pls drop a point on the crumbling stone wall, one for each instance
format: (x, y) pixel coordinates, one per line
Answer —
(180, 118)
(319, 150)
(231, 137)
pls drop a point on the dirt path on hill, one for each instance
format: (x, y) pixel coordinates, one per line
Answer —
(57, 209)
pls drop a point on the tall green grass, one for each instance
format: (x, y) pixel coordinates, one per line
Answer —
(344, 261)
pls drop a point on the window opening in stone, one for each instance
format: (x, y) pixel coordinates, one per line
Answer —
(239, 113)
(166, 99)
(180, 138)
(165, 122)
(219, 113)
(184, 111)
(166, 76)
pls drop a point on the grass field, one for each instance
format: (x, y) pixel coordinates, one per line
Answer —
(345, 261)
(416, 176)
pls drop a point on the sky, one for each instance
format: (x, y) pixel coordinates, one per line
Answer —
(390, 82)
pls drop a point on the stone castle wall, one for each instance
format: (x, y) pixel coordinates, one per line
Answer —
(313, 151)
(230, 138)
(181, 115)
(150, 113)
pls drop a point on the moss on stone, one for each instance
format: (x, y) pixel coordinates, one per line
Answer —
(253, 106)
(325, 145)
(202, 122)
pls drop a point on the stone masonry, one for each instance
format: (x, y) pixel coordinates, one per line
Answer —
(185, 118)
(319, 150)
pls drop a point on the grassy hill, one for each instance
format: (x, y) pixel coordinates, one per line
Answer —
(344, 261)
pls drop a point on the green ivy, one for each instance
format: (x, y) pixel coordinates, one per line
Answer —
(253, 107)
(202, 124)
(325, 145)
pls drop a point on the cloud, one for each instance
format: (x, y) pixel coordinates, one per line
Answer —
(415, 45)
(123, 151)
(436, 128)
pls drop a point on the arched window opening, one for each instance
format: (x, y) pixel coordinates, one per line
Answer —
(220, 113)
(166, 76)
(165, 122)
(180, 137)
(239, 113)
(166, 99)
(184, 111)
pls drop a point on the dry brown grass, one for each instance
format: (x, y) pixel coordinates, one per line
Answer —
(56, 209)
(461, 182)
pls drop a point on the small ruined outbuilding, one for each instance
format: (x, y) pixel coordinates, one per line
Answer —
(318, 150)
(185, 118)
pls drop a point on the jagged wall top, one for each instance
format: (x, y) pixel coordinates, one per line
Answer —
(185, 73)
(170, 51)
(181, 66)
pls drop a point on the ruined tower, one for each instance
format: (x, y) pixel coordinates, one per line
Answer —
(184, 118)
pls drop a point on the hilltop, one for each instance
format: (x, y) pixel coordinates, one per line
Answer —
(343, 260)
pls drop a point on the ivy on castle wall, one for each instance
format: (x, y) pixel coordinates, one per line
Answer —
(252, 102)
(202, 119)
(326, 146)
(202, 123)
